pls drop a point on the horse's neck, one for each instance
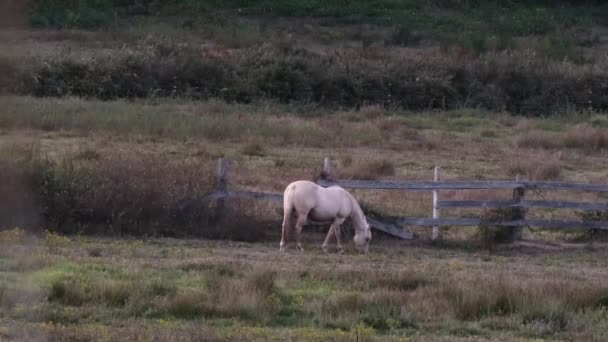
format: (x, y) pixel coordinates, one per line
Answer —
(357, 214)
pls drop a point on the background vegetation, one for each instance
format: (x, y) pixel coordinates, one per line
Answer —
(535, 58)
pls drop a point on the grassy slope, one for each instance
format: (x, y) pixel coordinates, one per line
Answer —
(58, 288)
(270, 145)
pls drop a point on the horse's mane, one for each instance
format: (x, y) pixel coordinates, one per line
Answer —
(357, 215)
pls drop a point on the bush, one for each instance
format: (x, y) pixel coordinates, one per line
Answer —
(518, 83)
(134, 195)
(253, 150)
(590, 216)
(12, 236)
(118, 194)
(489, 235)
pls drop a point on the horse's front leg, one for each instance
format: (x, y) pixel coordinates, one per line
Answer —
(327, 238)
(337, 226)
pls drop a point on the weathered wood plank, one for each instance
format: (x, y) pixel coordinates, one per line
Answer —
(390, 229)
(564, 224)
(460, 185)
(480, 204)
(387, 228)
(222, 185)
(244, 194)
(256, 195)
(414, 221)
(523, 204)
(566, 186)
(477, 221)
(436, 208)
(518, 196)
(421, 185)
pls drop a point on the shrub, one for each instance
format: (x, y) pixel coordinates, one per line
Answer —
(590, 216)
(186, 306)
(12, 236)
(518, 83)
(538, 139)
(253, 150)
(263, 283)
(404, 36)
(586, 137)
(66, 293)
(489, 235)
(118, 194)
(54, 240)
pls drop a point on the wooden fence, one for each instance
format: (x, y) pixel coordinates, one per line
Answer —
(519, 187)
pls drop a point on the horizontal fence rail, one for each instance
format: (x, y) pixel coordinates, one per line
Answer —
(394, 225)
(421, 185)
(384, 227)
(474, 221)
(461, 185)
(523, 204)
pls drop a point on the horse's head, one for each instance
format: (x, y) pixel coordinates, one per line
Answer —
(362, 239)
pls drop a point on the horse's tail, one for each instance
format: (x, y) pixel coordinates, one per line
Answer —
(288, 202)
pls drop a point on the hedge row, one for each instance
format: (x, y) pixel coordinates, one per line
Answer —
(518, 83)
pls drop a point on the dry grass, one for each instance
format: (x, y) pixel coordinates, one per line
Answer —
(368, 169)
(249, 291)
(253, 150)
(538, 139)
(538, 166)
(581, 136)
(586, 137)
(293, 147)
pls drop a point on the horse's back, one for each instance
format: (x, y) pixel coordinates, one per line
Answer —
(300, 194)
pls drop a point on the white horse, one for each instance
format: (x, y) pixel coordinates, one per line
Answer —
(333, 205)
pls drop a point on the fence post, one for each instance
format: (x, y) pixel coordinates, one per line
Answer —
(518, 196)
(222, 186)
(326, 169)
(435, 202)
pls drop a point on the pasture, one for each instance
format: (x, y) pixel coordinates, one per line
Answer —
(112, 113)
(80, 289)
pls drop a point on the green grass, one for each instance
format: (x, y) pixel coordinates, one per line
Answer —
(250, 291)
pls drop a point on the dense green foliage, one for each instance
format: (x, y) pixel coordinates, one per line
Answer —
(443, 17)
(482, 61)
(347, 80)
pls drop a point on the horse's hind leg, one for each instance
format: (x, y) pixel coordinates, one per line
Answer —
(285, 231)
(299, 224)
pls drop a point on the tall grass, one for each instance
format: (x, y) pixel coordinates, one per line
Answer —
(212, 120)
(377, 299)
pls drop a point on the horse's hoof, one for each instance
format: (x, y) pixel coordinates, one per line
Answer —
(324, 248)
(340, 250)
(300, 248)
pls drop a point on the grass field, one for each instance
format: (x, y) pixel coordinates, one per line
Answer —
(79, 289)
